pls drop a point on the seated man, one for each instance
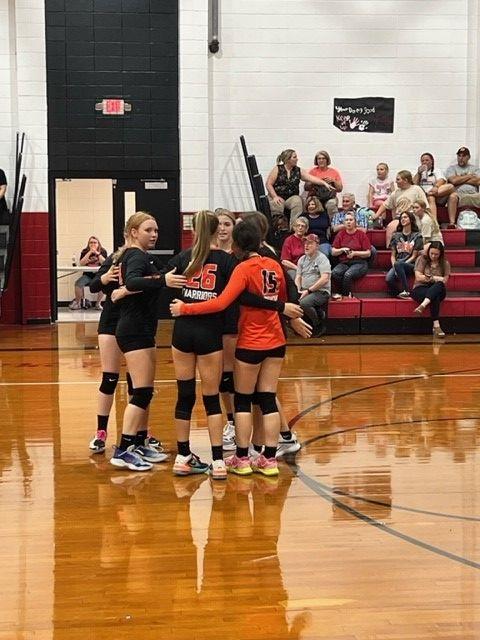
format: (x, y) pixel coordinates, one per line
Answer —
(349, 206)
(313, 283)
(465, 177)
(3, 202)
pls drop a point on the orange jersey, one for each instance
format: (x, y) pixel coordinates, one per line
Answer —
(257, 328)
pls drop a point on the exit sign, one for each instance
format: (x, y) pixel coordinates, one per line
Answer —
(113, 106)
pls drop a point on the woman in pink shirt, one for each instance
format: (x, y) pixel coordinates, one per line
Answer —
(294, 246)
(331, 176)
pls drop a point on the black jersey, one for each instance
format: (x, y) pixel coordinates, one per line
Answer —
(210, 280)
(111, 312)
(138, 312)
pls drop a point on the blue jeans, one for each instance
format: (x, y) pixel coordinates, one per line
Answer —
(326, 248)
(401, 270)
(346, 272)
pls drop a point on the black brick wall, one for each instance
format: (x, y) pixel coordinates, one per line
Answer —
(112, 48)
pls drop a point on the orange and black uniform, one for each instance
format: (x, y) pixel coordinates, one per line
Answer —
(260, 330)
(202, 335)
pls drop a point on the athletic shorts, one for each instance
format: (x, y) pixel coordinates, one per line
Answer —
(254, 356)
(107, 325)
(198, 337)
(134, 343)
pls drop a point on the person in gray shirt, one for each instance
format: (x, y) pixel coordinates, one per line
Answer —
(465, 177)
(313, 283)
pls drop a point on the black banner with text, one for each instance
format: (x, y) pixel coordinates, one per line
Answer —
(370, 115)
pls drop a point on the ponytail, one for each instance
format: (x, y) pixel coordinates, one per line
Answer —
(134, 221)
(205, 224)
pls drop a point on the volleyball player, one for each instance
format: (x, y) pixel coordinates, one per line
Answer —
(106, 280)
(260, 348)
(136, 329)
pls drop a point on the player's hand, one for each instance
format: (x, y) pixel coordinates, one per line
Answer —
(112, 275)
(173, 280)
(176, 308)
(292, 310)
(301, 328)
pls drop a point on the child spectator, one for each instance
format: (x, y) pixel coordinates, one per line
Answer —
(380, 187)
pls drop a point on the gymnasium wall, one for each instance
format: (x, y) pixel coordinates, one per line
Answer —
(281, 64)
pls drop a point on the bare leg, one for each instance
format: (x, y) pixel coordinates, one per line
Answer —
(210, 370)
(141, 365)
(452, 204)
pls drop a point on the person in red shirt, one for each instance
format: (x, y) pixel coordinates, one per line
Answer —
(294, 246)
(260, 347)
(353, 248)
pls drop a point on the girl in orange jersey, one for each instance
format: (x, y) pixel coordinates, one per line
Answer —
(260, 348)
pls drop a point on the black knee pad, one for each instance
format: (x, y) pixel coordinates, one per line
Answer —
(255, 399)
(129, 384)
(185, 399)
(226, 383)
(267, 402)
(212, 405)
(109, 383)
(141, 397)
(242, 402)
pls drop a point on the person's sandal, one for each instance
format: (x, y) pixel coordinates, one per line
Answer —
(438, 333)
(419, 310)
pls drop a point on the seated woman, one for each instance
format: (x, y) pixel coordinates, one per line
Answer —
(93, 255)
(399, 201)
(406, 244)
(353, 249)
(433, 182)
(428, 226)
(283, 185)
(380, 187)
(319, 223)
(323, 170)
(431, 276)
(294, 246)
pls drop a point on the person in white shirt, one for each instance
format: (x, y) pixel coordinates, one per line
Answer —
(465, 178)
(313, 283)
(433, 182)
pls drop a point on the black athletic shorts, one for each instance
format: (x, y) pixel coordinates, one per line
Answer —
(199, 336)
(134, 343)
(107, 325)
(253, 356)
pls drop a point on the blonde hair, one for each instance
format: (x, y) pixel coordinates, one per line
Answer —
(285, 156)
(205, 224)
(134, 222)
(225, 212)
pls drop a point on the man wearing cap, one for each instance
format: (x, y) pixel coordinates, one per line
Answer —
(465, 177)
(313, 283)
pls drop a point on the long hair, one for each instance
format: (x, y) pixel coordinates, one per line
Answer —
(285, 156)
(431, 158)
(220, 211)
(100, 248)
(413, 222)
(423, 205)
(205, 225)
(435, 244)
(258, 219)
(134, 222)
(246, 237)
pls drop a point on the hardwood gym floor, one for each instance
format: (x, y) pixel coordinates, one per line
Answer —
(372, 531)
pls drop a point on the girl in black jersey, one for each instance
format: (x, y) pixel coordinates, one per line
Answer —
(197, 343)
(106, 281)
(136, 328)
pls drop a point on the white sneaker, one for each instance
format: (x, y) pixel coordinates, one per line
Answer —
(229, 437)
(74, 305)
(218, 470)
(287, 446)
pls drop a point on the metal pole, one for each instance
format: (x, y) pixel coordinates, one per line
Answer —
(214, 43)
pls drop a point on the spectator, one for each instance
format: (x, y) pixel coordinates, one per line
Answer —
(280, 231)
(294, 246)
(433, 182)
(283, 185)
(319, 223)
(406, 243)
(313, 283)
(349, 206)
(431, 276)
(323, 170)
(380, 187)
(428, 226)
(465, 178)
(4, 217)
(353, 248)
(399, 201)
(93, 255)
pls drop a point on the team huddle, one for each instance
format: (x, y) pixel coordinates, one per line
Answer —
(232, 303)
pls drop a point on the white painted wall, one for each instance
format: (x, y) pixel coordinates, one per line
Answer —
(23, 102)
(282, 63)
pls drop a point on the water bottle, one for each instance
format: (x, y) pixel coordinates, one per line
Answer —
(74, 260)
